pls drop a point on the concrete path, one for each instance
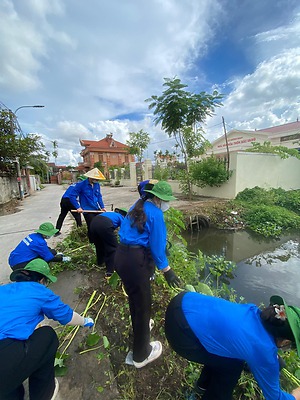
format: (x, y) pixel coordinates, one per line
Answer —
(43, 206)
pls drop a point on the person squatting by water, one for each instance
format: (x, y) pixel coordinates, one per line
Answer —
(143, 229)
(103, 234)
(224, 336)
(26, 349)
(35, 246)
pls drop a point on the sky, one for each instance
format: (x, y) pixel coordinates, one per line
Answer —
(93, 63)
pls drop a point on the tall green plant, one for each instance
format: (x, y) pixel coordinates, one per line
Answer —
(180, 114)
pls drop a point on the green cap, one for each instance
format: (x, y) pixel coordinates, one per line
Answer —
(293, 317)
(162, 190)
(47, 229)
(37, 265)
(81, 178)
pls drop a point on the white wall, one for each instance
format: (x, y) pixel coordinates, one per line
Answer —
(253, 169)
(8, 189)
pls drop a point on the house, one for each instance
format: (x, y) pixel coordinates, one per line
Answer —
(107, 151)
(287, 135)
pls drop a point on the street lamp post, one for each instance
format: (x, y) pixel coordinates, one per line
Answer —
(19, 176)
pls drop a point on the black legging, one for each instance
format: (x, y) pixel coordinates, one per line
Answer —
(103, 235)
(219, 375)
(132, 265)
(65, 207)
(32, 358)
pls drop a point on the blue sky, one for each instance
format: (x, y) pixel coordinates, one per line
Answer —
(93, 64)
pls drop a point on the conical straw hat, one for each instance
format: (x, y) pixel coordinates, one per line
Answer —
(94, 174)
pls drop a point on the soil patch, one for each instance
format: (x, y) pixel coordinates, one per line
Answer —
(9, 208)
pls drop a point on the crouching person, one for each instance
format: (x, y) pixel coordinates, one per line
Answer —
(27, 352)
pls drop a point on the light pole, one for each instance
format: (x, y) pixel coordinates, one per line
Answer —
(19, 176)
(35, 106)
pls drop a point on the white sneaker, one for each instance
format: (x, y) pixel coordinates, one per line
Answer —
(55, 389)
(129, 357)
(155, 353)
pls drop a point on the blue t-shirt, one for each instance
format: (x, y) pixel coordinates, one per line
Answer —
(235, 331)
(115, 218)
(90, 197)
(154, 235)
(33, 246)
(24, 305)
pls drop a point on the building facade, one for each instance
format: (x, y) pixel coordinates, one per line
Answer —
(287, 135)
(107, 151)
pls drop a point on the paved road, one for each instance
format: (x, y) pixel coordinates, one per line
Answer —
(43, 206)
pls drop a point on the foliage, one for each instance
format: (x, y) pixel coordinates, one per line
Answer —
(171, 377)
(180, 114)
(13, 145)
(266, 147)
(138, 143)
(209, 172)
(269, 212)
(270, 220)
(161, 174)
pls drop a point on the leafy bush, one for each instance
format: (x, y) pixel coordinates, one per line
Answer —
(209, 172)
(270, 220)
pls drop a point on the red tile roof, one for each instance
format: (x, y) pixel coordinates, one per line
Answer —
(291, 126)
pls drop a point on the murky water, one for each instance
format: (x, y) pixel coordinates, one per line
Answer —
(264, 266)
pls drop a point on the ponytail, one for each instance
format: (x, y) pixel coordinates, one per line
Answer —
(138, 216)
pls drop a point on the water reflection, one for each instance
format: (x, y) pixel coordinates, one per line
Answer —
(264, 266)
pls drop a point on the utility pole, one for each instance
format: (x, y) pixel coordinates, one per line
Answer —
(225, 133)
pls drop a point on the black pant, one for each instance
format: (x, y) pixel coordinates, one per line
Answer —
(104, 238)
(65, 207)
(88, 219)
(32, 358)
(219, 375)
(132, 266)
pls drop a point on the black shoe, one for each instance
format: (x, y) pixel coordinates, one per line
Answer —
(57, 233)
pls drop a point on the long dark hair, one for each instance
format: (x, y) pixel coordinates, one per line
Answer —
(138, 216)
(279, 328)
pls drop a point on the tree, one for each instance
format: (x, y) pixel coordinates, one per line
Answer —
(181, 113)
(13, 145)
(138, 143)
(266, 147)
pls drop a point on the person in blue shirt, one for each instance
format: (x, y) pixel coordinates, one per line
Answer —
(86, 196)
(224, 336)
(66, 205)
(35, 246)
(143, 229)
(103, 233)
(27, 349)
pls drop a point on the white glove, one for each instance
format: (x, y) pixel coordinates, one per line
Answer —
(66, 258)
(88, 322)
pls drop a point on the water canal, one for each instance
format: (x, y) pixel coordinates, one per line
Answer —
(264, 266)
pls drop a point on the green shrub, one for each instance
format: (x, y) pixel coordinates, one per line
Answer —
(270, 220)
(209, 172)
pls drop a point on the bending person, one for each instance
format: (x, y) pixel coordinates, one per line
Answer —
(103, 234)
(143, 229)
(25, 350)
(35, 246)
(224, 336)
